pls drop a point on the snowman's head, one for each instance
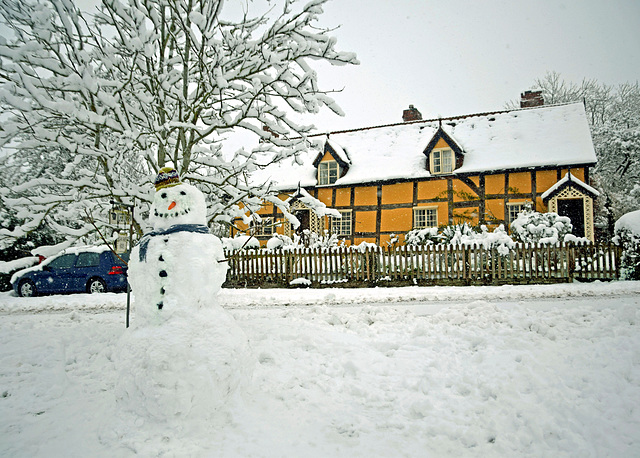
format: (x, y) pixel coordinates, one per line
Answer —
(177, 203)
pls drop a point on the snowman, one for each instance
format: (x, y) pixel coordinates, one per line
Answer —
(177, 267)
(184, 355)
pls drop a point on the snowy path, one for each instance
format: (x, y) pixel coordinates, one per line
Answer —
(504, 375)
(335, 297)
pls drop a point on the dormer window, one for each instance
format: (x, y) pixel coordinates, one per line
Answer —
(442, 161)
(328, 172)
(332, 162)
(444, 154)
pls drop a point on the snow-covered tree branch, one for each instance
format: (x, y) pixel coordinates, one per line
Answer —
(92, 106)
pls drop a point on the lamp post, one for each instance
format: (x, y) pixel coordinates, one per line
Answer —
(115, 206)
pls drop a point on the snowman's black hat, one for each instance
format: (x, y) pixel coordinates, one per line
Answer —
(167, 177)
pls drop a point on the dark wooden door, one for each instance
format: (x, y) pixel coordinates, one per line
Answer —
(574, 209)
(304, 218)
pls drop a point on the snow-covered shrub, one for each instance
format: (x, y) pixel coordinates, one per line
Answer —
(421, 237)
(307, 239)
(498, 239)
(546, 228)
(240, 242)
(364, 246)
(279, 241)
(451, 234)
(627, 230)
(462, 234)
(572, 238)
(311, 239)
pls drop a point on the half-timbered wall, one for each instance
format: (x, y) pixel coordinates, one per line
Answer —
(380, 210)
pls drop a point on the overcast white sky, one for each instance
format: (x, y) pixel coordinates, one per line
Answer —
(454, 57)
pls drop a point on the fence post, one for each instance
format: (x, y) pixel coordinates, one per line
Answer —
(571, 251)
(618, 256)
(287, 267)
(465, 261)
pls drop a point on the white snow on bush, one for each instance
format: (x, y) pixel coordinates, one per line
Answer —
(274, 243)
(51, 250)
(544, 228)
(240, 242)
(630, 221)
(17, 264)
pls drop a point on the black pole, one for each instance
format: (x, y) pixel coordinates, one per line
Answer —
(130, 249)
(131, 208)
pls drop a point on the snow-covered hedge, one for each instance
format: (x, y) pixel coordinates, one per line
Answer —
(498, 239)
(545, 228)
(627, 230)
(7, 267)
(462, 234)
(240, 242)
(307, 239)
(421, 237)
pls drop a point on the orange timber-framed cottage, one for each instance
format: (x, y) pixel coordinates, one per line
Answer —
(480, 168)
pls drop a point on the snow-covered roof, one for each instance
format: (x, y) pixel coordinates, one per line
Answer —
(569, 178)
(339, 151)
(555, 135)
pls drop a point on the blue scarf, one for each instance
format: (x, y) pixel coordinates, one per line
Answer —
(146, 238)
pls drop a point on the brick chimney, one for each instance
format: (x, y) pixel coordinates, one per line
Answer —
(530, 99)
(412, 114)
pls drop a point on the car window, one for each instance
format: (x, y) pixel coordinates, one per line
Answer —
(88, 260)
(63, 262)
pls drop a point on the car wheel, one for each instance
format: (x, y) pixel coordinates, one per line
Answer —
(27, 288)
(96, 285)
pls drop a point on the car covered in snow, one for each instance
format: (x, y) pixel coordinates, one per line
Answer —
(75, 270)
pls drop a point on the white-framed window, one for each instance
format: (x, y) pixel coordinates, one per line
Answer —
(342, 226)
(442, 161)
(328, 172)
(425, 217)
(513, 209)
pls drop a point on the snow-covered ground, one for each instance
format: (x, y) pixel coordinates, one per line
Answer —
(481, 371)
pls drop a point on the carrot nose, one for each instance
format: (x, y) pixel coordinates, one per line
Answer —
(171, 205)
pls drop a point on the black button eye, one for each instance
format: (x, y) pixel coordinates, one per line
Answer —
(163, 195)
(183, 193)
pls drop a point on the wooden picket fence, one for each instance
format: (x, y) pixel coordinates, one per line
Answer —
(434, 264)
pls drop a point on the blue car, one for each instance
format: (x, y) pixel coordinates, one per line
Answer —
(75, 270)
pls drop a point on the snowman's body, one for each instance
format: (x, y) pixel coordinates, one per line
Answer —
(185, 355)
